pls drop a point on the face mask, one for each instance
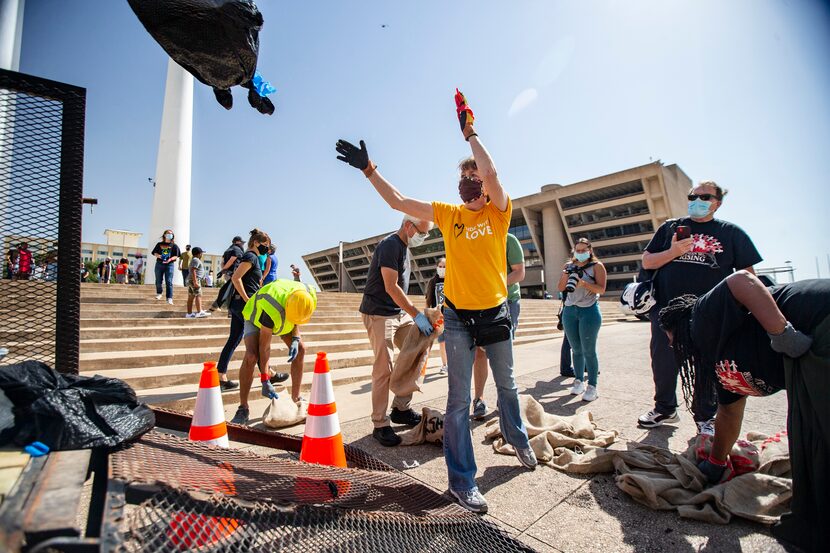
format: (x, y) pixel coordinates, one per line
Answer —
(262, 249)
(582, 256)
(699, 209)
(416, 240)
(168, 236)
(441, 271)
(469, 189)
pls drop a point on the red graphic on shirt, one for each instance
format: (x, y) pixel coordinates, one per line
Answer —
(736, 381)
(704, 250)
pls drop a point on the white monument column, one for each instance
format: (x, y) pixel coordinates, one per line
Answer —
(171, 197)
(11, 33)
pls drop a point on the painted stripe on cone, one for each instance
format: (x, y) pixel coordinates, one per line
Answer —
(322, 427)
(322, 391)
(209, 409)
(322, 410)
(201, 433)
(210, 378)
(325, 451)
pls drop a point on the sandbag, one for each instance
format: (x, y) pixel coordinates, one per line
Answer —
(282, 411)
(406, 373)
(66, 411)
(429, 430)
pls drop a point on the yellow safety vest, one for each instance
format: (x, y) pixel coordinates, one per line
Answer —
(271, 299)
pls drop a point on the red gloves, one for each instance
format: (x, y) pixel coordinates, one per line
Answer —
(465, 114)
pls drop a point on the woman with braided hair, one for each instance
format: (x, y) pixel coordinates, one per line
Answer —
(743, 339)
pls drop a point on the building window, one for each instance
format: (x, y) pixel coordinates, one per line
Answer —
(352, 252)
(86, 251)
(356, 262)
(522, 232)
(428, 248)
(615, 231)
(602, 194)
(317, 260)
(623, 267)
(608, 213)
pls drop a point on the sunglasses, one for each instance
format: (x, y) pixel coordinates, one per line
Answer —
(704, 197)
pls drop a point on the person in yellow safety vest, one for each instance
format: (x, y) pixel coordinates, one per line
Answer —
(278, 308)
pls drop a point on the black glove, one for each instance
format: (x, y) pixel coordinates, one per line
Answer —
(357, 158)
(711, 471)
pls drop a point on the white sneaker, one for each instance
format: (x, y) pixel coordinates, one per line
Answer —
(158, 296)
(201, 315)
(590, 393)
(706, 427)
(577, 388)
(442, 370)
(190, 316)
(170, 301)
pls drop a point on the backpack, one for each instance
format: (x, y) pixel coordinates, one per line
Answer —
(640, 297)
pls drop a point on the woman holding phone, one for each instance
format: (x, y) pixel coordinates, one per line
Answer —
(693, 254)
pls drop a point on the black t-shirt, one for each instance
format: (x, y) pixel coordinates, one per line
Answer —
(166, 250)
(391, 253)
(435, 291)
(720, 248)
(233, 251)
(251, 279)
(732, 340)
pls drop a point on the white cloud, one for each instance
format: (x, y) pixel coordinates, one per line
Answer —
(523, 100)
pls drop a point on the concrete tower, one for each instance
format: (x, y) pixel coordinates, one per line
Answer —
(171, 197)
(11, 33)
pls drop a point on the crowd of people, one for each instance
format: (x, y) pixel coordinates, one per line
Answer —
(21, 264)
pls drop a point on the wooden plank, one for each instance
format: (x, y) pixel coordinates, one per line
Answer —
(11, 510)
(52, 509)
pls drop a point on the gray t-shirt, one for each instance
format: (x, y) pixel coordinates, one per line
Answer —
(581, 297)
(197, 264)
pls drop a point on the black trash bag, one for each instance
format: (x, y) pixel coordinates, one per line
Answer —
(217, 41)
(66, 411)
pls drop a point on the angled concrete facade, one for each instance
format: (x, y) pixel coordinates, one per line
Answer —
(618, 213)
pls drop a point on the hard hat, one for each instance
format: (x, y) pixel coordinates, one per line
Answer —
(299, 306)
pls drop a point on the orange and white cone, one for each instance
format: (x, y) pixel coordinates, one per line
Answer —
(322, 442)
(208, 424)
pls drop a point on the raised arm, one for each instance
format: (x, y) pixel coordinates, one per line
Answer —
(359, 159)
(484, 163)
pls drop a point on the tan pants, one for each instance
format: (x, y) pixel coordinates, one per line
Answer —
(384, 334)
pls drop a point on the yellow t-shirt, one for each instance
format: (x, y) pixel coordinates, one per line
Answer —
(475, 242)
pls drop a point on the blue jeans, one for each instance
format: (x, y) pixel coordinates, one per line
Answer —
(581, 327)
(458, 443)
(165, 271)
(514, 308)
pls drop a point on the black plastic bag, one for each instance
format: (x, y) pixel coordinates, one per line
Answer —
(217, 41)
(67, 411)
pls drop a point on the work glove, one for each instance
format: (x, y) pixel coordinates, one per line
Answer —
(711, 471)
(268, 388)
(790, 342)
(357, 158)
(294, 348)
(423, 324)
(465, 114)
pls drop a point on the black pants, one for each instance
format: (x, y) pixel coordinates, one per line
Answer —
(234, 336)
(808, 425)
(665, 370)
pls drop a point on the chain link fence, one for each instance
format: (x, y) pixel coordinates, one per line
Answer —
(41, 193)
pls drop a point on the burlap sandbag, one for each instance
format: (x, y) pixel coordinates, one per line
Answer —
(406, 373)
(282, 412)
(429, 430)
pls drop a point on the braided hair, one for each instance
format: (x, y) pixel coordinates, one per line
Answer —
(696, 382)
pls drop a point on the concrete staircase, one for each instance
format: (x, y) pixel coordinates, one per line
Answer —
(126, 333)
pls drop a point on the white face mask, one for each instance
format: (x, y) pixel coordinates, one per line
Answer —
(441, 271)
(416, 240)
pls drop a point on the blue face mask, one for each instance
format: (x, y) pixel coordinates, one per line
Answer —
(585, 256)
(699, 209)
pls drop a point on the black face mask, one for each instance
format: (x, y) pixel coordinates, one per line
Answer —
(469, 189)
(262, 249)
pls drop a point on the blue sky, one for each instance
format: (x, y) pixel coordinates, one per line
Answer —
(563, 91)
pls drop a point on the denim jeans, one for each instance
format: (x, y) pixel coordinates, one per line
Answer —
(582, 327)
(515, 308)
(458, 444)
(165, 271)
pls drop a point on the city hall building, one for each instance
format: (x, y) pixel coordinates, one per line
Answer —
(618, 213)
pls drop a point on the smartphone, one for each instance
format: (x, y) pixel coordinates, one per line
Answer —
(683, 232)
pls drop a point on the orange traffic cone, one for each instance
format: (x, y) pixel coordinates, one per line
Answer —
(209, 415)
(322, 442)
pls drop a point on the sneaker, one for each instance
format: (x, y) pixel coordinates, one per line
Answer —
(526, 457)
(386, 436)
(201, 315)
(241, 416)
(170, 301)
(590, 393)
(653, 419)
(190, 316)
(479, 409)
(278, 377)
(408, 417)
(568, 373)
(472, 500)
(706, 427)
(442, 370)
(228, 385)
(577, 388)
(158, 296)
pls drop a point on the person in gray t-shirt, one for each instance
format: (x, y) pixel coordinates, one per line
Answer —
(195, 278)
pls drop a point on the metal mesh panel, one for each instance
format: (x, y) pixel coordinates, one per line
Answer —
(199, 497)
(41, 175)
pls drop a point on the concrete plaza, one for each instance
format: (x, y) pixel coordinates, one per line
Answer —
(551, 510)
